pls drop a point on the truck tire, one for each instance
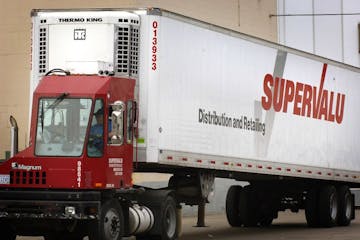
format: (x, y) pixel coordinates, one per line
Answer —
(232, 206)
(345, 206)
(169, 220)
(328, 206)
(311, 209)
(111, 221)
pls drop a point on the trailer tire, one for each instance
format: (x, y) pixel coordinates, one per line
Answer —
(345, 206)
(248, 206)
(311, 210)
(328, 206)
(232, 206)
(111, 221)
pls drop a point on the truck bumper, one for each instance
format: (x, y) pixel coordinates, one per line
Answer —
(42, 204)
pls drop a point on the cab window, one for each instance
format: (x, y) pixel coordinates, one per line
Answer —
(95, 146)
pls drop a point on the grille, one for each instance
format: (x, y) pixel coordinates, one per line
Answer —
(134, 51)
(127, 47)
(43, 33)
(122, 54)
(28, 177)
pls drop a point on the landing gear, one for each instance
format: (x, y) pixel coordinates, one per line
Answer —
(194, 189)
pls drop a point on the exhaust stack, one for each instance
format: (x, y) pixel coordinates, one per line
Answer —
(14, 136)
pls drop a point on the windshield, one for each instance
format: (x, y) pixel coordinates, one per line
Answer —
(61, 126)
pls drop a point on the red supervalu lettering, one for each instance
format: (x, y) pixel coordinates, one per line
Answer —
(308, 101)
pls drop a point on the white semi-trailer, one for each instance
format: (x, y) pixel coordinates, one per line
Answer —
(201, 102)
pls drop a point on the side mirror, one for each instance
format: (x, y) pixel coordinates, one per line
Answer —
(117, 122)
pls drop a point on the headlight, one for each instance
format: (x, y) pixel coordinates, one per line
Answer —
(70, 210)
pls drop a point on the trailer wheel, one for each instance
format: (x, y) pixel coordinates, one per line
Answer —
(328, 206)
(111, 221)
(345, 206)
(248, 206)
(232, 206)
(311, 210)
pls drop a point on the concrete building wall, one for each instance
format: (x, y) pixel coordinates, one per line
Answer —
(249, 16)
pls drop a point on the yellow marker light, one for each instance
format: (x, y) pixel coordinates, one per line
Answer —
(98, 185)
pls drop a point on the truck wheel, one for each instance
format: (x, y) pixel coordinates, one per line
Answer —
(328, 206)
(111, 221)
(345, 206)
(169, 220)
(232, 206)
(311, 210)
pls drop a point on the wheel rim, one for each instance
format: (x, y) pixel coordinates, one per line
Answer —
(112, 224)
(348, 208)
(333, 207)
(170, 221)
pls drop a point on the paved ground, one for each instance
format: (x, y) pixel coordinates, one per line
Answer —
(287, 226)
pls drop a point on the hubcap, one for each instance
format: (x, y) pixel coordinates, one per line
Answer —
(333, 207)
(348, 208)
(111, 225)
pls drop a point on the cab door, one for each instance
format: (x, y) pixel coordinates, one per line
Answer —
(120, 144)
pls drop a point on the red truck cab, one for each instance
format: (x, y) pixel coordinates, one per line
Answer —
(68, 146)
(69, 149)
